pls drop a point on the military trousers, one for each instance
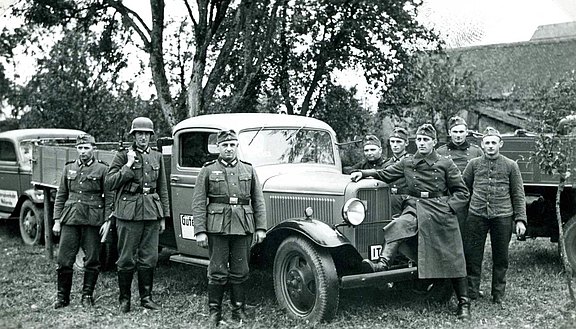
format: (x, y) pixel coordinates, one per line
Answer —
(74, 237)
(477, 228)
(137, 244)
(229, 258)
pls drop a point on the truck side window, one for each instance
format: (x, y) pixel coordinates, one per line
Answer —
(195, 149)
(7, 151)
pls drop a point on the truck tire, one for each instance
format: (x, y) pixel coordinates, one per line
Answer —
(570, 242)
(31, 223)
(305, 280)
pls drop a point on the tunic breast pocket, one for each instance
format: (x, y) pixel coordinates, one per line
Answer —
(92, 183)
(217, 184)
(245, 183)
(155, 172)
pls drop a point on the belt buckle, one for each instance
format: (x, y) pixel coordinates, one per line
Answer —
(233, 200)
(146, 190)
(394, 190)
(424, 194)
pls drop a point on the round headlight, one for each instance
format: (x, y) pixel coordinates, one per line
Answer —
(354, 212)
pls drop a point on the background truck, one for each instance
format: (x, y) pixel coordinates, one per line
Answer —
(18, 199)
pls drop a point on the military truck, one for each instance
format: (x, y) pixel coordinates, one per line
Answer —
(18, 199)
(320, 223)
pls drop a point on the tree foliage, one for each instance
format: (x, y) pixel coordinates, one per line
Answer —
(248, 50)
(431, 88)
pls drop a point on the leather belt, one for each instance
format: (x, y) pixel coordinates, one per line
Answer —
(426, 195)
(395, 190)
(229, 200)
(145, 190)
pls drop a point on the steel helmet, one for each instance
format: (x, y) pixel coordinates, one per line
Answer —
(142, 124)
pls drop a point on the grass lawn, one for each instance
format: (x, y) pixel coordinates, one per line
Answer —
(536, 297)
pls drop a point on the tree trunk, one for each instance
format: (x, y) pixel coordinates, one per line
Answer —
(567, 266)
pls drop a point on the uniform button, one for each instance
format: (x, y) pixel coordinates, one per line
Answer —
(78, 200)
(124, 198)
(145, 183)
(233, 183)
(80, 183)
(80, 191)
(99, 206)
(146, 173)
(146, 162)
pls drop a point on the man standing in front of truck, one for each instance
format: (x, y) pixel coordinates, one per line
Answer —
(80, 208)
(398, 141)
(436, 193)
(497, 203)
(139, 179)
(229, 211)
(459, 149)
(372, 148)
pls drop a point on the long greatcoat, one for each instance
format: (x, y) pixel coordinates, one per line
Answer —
(440, 251)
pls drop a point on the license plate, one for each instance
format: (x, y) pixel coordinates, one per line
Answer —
(374, 252)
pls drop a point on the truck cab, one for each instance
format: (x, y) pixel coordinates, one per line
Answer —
(17, 197)
(320, 224)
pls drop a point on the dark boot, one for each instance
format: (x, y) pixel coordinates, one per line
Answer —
(64, 287)
(238, 303)
(145, 279)
(90, 278)
(461, 288)
(125, 286)
(380, 265)
(215, 295)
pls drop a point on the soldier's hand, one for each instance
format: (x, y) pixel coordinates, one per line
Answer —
(260, 236)
(355, 176)
(131, 158)
(162, 225)
(202, 240)
(56, 228)
(520, 228)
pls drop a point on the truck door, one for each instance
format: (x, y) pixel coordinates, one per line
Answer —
(191, 150)
(9, 179)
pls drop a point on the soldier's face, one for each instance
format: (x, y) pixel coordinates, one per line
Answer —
(372, 152)
(425, 144)
(228, 150)
(397, 145)
(142, 138)
(85, 151)
(491, 146)
(458, 134)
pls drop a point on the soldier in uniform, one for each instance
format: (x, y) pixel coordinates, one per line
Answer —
(435, 193)
(138, 177)
(398, 141)
(228, 208)
(81, 206)
(459, 149)
(372, 155)
(496, 206)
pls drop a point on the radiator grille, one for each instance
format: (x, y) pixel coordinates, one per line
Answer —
(377, 216)
(286, 206)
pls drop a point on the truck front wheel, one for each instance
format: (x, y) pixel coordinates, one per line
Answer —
(305, 280)
(31, 223)
(570, 241)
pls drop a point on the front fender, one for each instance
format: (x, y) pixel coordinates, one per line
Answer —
(35, 195)
(317, 231)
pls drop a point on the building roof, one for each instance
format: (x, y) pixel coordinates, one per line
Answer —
(555, 31)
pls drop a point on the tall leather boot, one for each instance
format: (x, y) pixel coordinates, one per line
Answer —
(238, 302)
(145, 279)
(64, 277)
(90, 278)
(387, 256)
(215, 295)
(125, 286)
(461, 288)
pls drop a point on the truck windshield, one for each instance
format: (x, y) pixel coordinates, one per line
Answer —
(281, 146)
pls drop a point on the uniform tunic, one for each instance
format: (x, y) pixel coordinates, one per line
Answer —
(82, 204)
(228, 205)
(141, 201)
(397, 187)
(460, 154)
(436, 191)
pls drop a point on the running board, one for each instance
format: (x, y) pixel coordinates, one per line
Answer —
(179, 258)
(378, 278)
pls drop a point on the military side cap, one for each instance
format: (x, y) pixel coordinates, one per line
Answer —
(491, 131)
(85, 139)
(427, 130)
(371, 140)
(226, 135)
(400, 132)
(456, 121)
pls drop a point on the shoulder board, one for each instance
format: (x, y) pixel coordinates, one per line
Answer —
(209, 163)
(476, 146)
(248, 163)
(71, 161)
(102, 162)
